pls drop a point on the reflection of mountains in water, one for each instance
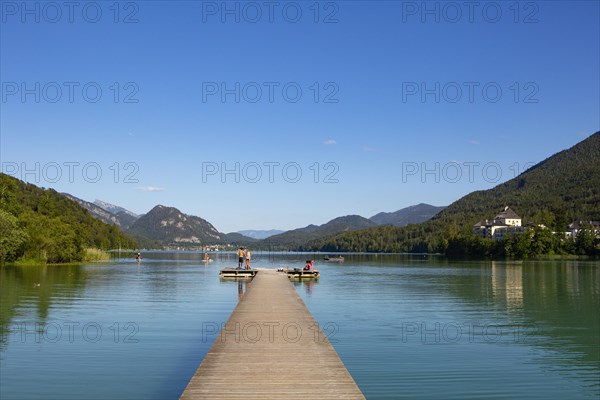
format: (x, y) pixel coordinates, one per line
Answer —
(41, 285)
(557, 302)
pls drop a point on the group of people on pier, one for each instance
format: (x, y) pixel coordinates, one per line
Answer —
(244, 254)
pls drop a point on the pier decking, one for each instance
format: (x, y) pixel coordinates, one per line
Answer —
(271, 348)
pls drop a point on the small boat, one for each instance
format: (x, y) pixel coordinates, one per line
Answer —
(334, 259)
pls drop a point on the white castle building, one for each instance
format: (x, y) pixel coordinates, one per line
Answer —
(506, 222)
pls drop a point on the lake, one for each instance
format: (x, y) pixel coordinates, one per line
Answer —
(414, 327)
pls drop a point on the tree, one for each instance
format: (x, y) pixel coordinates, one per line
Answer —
(584, 242)
(542, 241)
(12, 238)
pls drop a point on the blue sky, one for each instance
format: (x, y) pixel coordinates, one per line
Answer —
(379, 105)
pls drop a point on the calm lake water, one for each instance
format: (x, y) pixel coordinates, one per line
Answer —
(409, 327)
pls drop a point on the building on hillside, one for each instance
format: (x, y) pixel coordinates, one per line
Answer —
(577, 226)
(506, 222)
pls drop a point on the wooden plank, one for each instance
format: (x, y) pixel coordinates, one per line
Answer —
(271, 348)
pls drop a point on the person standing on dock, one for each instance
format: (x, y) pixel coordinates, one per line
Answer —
(248, 258)
(241, 255)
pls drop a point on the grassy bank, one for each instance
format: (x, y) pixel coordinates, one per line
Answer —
(89, 255)
(28, 261)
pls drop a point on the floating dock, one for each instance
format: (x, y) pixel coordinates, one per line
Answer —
(237, 273)
(303, 274)
(271, 348)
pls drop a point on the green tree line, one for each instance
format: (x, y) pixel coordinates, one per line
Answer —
(43, 225)
(534, 242)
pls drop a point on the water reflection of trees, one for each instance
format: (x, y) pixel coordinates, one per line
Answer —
(559, 299)
(554, 304)
(35, 288)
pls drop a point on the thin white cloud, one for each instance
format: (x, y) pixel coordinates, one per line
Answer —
(329, 142)
(368, 149)
(150, 189)
(475, 142)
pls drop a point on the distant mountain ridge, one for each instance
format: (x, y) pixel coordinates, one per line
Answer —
(297, 237)
(260, 234)
(165, 226)
(111, 208)
(119, 216)
(169, 226)
(236, 238)
(409, 215)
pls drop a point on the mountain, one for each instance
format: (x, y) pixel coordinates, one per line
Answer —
(409, 215)
(116, 210)
(300, 236)
(169, 226)
(44, 225)
(237, 238)
(258, 234)
(563, 188)
(120, 217)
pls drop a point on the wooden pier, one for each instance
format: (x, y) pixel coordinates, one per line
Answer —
(271, 348)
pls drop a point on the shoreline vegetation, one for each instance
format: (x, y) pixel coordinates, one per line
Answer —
(90, 255)
(533, 243)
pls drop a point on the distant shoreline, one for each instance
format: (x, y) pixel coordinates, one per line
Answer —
(105, 255)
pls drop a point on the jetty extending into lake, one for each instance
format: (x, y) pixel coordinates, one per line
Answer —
(271, 348)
